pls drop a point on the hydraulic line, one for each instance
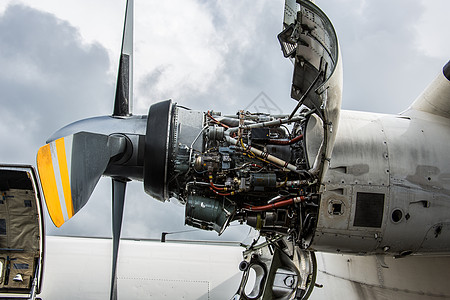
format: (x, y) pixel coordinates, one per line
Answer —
(213, 186)
(222, 194)
(288, 142)
(300, 102)
(276, 204)
(216, 121)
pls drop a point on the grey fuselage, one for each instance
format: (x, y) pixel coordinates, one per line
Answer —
(387, 186)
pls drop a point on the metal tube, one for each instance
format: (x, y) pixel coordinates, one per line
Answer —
(300, 102)
(276, 122)
(265, 155)
(192, 145)
(276, 204)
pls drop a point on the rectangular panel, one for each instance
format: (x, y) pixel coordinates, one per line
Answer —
(369, 210)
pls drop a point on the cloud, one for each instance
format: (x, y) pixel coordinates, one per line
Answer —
(384, 70)
(213, 55)
(430, 31)
(181, 47)
(49, 78)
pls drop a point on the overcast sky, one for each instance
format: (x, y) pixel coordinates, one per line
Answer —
(58, 62)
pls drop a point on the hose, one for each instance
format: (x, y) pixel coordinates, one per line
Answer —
(276, 204)
(288, 142)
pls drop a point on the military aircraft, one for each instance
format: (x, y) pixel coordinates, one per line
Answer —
(315, 180)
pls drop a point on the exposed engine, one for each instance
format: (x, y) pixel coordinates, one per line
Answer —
(251, 167)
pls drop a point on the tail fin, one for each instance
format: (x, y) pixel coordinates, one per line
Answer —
(435, 99)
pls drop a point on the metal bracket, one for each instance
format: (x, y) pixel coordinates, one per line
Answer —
(281, 271)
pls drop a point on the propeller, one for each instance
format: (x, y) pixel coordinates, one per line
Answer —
(73, 160)
(122, 108)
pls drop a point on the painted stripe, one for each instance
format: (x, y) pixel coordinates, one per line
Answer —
(48, 182)
(68, 143)
(57, 174)
(64, 172)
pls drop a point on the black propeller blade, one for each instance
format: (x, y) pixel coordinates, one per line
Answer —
(122, 108)
(124, 86)
(118, 201)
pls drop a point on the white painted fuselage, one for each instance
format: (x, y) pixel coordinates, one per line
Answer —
(79, 268)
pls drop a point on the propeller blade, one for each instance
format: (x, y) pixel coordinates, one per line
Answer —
(122, 108)
(118, 201)
(124, 88)
(70, 168)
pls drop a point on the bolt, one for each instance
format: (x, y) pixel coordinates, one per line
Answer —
(289, 281)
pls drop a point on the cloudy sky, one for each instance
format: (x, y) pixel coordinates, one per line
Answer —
(58, 62)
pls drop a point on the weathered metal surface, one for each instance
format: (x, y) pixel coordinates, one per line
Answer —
(404, 158)
(382, 277)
